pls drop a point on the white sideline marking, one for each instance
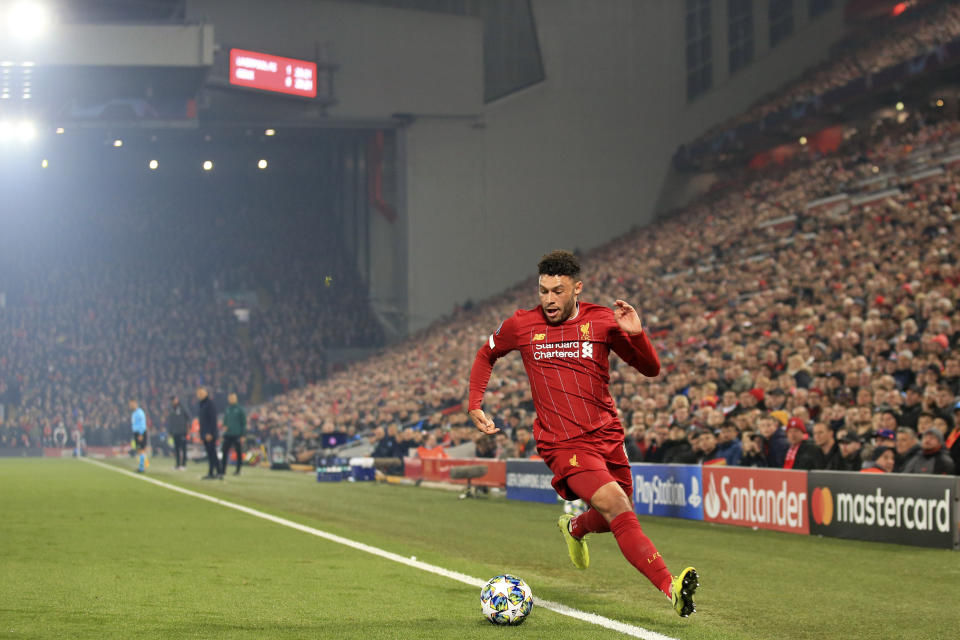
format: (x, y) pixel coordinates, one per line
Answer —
(556, 607)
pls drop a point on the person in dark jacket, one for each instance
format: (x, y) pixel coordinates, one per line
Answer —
(850, 452)
(775, 443)
(178, 421)
(235, 420)
(829, 458)
(207, 415)
(932, 458)
(752, 450)
(802, 453)
(729, 445)
(677, 450)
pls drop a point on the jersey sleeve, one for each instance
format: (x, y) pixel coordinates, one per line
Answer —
(500, 343)
(637, 350)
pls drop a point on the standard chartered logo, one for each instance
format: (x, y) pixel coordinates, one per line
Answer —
(571, 349)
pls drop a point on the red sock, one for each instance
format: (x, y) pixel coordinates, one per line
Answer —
(590, 521)
(640, 552)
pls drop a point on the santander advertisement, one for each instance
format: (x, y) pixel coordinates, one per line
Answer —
(773, 499)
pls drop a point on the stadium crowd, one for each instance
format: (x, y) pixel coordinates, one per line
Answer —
(919, 31)
(132, 295)
(838, 326)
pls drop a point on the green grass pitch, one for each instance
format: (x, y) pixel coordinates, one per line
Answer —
(89, 553)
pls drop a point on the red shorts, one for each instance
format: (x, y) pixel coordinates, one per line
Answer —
(599, 451)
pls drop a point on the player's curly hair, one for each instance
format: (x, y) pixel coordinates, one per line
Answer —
(559, 263)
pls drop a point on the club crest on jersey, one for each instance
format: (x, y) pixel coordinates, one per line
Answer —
(585, 331)
(573, 461)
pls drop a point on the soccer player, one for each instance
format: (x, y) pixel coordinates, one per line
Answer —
(138, 421)
(565, 345)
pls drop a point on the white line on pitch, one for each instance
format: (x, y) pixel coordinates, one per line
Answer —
(622, 627)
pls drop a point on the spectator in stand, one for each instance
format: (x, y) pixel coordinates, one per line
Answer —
(883, 460)
(729, 445)
(677, 448)
(752, 450)
(386, 446)
(932, 458)
(775, 442)
(850, 452)
(430, 448)
(907, 446)
(802, 454)
(912, 407)
(705, 448)
(525, 445)
(829, 456)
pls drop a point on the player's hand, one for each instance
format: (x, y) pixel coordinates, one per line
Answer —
(482, 422)
(627, 318)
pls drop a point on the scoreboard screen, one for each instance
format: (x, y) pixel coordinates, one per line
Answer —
(273, 73)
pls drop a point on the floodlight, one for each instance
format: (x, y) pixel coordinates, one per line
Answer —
(207, 165)
(899, 106)
(118, 142)
(59, 130)
(803, 140)
(153, 164)
(44, 164)
(269, 132)
(939, 102)
(26, 131)
(27, 20)
(262, 163)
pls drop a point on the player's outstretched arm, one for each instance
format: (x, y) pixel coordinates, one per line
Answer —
(482, 422)
(631, 342)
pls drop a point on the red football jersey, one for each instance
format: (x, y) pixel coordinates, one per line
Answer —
(568, 367)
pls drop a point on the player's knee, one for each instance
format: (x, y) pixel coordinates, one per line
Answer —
(610, 501)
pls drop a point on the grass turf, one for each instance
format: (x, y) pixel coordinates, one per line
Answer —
(91, 553)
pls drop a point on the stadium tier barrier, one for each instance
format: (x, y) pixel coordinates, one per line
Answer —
(917, 510)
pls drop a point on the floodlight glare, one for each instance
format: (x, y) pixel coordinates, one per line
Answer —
(899, 106)
(44, 164)
(207, 165)
(59, 130)
(118, 142)
(803, 140)
(153, 165)
(262, 164)
(6, 130)
(26, 131)
(27, 20)
(269, 132)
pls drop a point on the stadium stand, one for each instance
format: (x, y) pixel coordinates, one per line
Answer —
(866, 59)
(830, 283)
(94, 315)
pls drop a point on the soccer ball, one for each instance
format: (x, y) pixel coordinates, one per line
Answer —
(506, 599)
(573, 507)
